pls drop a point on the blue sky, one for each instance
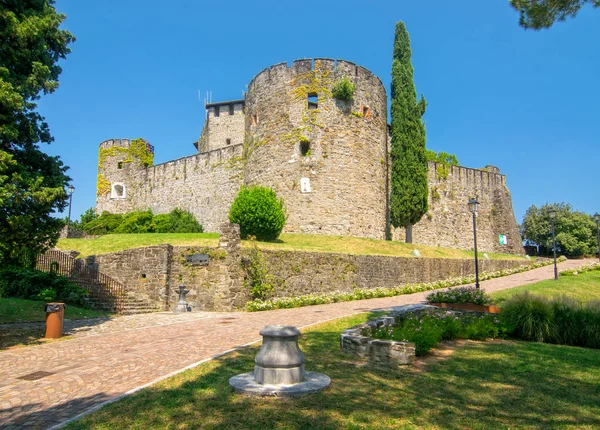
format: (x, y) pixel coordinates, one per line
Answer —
(525, 101)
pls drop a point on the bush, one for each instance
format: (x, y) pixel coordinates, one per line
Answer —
(136, 222)
(460, 295)
(32, 284)
(259, 213)
(561, 321)
(343, 89)
(528, 317)
(176, 221)
(104, 224)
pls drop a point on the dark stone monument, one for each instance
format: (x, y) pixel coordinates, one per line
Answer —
(182, 305)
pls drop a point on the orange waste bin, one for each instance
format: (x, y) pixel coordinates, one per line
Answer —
(55, 314)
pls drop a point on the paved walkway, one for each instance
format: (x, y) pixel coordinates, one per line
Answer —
(112, 358)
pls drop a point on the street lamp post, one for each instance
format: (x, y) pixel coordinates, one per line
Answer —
(71, 188)
(473, 206)
(552, 214)
(597, 219)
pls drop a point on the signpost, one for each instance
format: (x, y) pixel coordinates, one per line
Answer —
(503, 240)
(197, 259)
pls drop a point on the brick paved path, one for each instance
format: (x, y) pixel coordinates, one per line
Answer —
(103, 363)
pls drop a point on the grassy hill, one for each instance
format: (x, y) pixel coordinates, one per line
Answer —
(286, 242)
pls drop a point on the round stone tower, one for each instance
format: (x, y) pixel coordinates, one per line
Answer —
(120, 162)
(324, 155)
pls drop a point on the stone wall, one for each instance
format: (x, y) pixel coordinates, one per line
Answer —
(204, 184)
(338, 186)
(225, 128)
(299, 273)
(449, 223)
(153, 273)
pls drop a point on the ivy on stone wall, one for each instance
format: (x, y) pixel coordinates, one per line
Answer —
(258, 280)
(102, 186)
(315, 81)
(138, 148)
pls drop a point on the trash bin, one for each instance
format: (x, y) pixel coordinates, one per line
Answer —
(55, 314)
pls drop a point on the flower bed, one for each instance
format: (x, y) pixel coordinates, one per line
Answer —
(427, 326)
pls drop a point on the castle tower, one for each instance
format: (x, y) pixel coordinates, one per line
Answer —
(223, 127)
(120, 162)
(325, 156)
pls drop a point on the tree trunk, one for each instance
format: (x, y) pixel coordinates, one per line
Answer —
(408, 228)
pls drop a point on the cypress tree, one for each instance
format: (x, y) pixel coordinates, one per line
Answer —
(409, 193)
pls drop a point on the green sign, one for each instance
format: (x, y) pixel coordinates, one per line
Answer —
(503, 240)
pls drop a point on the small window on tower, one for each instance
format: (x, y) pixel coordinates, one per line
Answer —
(120, 165)
(313, 101)
(305, 148)
(230, 109)
(216, 108)
(366, 112)
(228, 141)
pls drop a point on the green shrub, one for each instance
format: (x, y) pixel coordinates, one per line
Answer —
(460, 295)
(343, 89)
(136, 222)
(428, 327)
(258, 279)
(32, 284)
(591, 324)
(259, 213)
(176, 221)
(104, 224)
(529, 317)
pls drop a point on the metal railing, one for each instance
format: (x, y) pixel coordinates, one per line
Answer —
(103, 291)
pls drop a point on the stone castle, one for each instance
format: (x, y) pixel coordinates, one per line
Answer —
(327, 158)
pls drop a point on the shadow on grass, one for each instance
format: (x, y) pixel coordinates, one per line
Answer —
(483, 385)
(30, 334)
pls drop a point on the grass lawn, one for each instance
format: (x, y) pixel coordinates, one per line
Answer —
(481, 386)
(286, 242)
(584, 287)
(19, 310)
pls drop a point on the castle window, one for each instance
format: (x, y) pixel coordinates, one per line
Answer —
(313, 101)
(305, 148)
(366, 112)
(120, 165)
(228, 141)
(216, 108)
(117, 191)
(230, 109)
(254, 119)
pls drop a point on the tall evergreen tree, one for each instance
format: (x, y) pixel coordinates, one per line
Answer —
(31, 182)
(409, 194)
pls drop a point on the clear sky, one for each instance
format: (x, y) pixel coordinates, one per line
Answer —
(525, 101)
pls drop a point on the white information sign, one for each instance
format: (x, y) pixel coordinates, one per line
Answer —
(305, 185)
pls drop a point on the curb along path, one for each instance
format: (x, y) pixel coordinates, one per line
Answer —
(65, 379)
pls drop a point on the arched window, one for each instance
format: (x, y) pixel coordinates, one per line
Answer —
(117, 191)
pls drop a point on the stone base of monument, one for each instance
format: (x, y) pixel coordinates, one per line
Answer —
(313, 383)
(279, 369)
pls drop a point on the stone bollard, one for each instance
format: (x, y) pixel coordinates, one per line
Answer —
(279, 367)
(182, 305)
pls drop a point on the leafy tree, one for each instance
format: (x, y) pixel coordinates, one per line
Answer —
(538, 14)
(408, 199)
(136, 222)
(441, 157)
(31, 183)
(259, 213)
(575, 232)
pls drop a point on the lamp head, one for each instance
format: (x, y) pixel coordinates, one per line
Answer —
(597, 217)
(473, 205)
(71, 188)
(552, 213)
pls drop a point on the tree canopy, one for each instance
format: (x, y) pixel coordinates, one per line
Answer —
(538, 14)
(409, 194)
(31, 182)
(575, 231)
